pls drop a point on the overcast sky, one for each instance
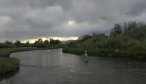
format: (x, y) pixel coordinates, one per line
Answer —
(26, 19)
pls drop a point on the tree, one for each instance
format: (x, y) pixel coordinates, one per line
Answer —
(27, 44)
(8, 44)
(132, 25)
(17, 43)
(85, 37)
(116, 30)
(46, 42)
(39, 43)
(54, 42)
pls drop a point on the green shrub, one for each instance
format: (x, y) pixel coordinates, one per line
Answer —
(8, 65)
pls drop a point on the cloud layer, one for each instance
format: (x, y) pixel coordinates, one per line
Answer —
(26, 19)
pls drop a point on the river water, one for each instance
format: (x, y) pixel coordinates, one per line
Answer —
(55, 67)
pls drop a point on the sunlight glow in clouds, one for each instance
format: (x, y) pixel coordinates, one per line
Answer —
(55, 38)
(71, 22)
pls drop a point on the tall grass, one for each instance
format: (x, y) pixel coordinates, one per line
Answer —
(8, 66)
(105, 52)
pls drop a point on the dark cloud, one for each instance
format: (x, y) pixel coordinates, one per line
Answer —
(26, 19)
(138, 8)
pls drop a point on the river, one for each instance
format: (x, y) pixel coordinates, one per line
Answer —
(55, 67)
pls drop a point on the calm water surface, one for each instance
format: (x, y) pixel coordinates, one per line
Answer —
(55, 67)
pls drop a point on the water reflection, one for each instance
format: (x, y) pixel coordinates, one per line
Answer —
(55, 67)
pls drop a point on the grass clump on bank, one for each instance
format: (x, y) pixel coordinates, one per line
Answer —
(8, 66)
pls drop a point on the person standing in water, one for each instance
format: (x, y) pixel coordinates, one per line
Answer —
(85, 56)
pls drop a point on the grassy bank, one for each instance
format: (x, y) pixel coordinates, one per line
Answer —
(5, 52)
(106, 53)
(8, 65)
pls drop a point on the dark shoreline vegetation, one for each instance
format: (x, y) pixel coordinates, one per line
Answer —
(8, 66)
(127, 40)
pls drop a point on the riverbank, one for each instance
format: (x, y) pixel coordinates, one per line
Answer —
(106, 53)
(9, 65)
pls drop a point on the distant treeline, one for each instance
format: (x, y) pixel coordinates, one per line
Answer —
(39, 43)
(124, 40)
